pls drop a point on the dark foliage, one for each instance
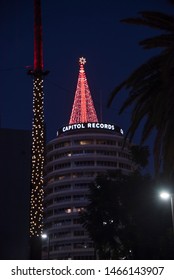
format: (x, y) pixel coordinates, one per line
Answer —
(126, 219)
(140, 155)
(151, 90)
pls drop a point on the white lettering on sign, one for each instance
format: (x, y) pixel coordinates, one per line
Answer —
(100, 125)
(89, 125)
(73, 126)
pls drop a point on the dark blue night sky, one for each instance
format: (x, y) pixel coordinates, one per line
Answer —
(71, 29)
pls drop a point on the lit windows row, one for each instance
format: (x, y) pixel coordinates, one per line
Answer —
(61, 223)
(64, 199)
(69, 210)
(84, 152)
(69, 197)
(86, 142)
(89, 163)
(70, 176)
(69, 186)
(67, 233)
(69, 154)
(69, 246)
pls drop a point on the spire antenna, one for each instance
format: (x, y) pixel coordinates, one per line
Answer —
(83, 110)
(38, 52)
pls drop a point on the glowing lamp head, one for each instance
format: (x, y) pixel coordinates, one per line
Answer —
(165, 195)
(44, 236)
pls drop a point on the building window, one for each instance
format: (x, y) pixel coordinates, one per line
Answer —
(84, 142)
(62, 247)
(63, 144)
(124, 165)
(62, 187)
(120, 143)
(60, 223)
(101, 142)
(107, 163)
(79, 197)
(62, 198)
(79, 233)
(62, 165)
(62, 234)
(76, 221)
(124, 155)
(81, 185)
(84, 163)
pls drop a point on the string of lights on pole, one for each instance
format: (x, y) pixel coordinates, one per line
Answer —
(36, 209)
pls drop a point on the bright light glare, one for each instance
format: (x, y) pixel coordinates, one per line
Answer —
(44, 235)
(164, 195)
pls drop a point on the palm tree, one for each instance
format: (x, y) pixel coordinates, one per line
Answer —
(151, 90)
(105, 216)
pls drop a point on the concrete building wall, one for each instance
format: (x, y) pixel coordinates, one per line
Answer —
(15, 163)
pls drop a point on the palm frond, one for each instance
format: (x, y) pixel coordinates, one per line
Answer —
(137, 117)
(136, 77)
(148, 128)
(115, 91)
(162, 41)
(163, 21)
(148, 68)
(153, 19)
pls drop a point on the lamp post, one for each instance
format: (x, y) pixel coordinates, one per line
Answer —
(166, 196)
(46, 236)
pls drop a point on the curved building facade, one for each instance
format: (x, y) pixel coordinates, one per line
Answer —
(73, 160)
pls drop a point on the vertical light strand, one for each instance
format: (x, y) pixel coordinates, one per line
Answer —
(37, 169)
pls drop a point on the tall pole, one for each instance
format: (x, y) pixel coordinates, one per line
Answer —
(166, 195)
(172, 209)
(38, 141)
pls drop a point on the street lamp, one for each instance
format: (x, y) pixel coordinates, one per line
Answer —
(166, 195)
(46, 236)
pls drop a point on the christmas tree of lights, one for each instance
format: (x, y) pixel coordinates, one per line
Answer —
(83, 110)
(36, 200)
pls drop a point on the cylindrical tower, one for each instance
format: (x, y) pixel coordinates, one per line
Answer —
(82, 150)
(73, 160)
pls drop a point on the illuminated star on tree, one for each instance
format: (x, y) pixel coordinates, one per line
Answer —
(82, 60)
